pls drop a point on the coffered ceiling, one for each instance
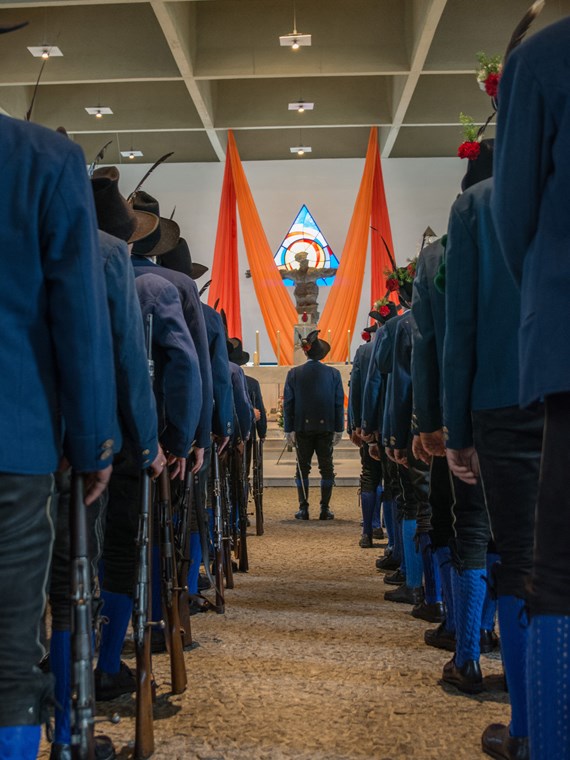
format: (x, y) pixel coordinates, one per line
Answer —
(178, 74)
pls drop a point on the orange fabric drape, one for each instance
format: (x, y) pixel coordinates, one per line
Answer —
(380, 232)
(341, 308)
(276, 306)
(225, 275)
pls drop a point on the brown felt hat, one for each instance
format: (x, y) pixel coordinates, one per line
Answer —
(114, 214)
(164, 237)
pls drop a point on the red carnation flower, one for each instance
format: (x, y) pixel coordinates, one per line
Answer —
(492, 84)
(384, 311)
(365, 336)
(392, 284)
(411, 269)
(469, 150)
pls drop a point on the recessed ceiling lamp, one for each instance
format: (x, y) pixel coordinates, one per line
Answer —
(132, 154)
(300, 150)
(301, 106)
(45, 51)
(294, 39)
(98, 111)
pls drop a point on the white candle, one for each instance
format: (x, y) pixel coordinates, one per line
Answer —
(257, 345)
(348, 340)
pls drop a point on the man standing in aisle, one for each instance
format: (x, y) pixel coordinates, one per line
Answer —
(58, 392)
(313, 412)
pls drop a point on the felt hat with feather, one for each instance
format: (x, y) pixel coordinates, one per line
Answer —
(236, 354)
(314, 347)
(166, 234)
(179, 258)
(114, 214)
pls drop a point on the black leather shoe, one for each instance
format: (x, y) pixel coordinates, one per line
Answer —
(489, 641)
(378, 533)
(326, 514)
(203, 583)
(302, 514)
(440, 638)
(104, 750)
(395, 579)
(433, 613)
(112, 685)
(467, 678)
(387, 563)
(365, 541)
(497, 742)
(405, 595)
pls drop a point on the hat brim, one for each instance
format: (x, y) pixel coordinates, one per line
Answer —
(319, 350)
(169, 234)
(198, 270)
(146, 225)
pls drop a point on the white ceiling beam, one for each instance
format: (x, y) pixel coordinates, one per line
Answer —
(200, 92)
(424, 39)
(49, 3)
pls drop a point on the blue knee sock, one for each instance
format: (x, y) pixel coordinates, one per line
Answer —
(19, 742)
(388, 512)
(60, 662)
(195, 560)
(469, 594)
(549, 686)
(119, 609)
(443, 556)
(431, 570)
(156, 583)
(414, 568)
(398, 545)
(376, 523)
(490, 604)
(514, 645)
(367, 501)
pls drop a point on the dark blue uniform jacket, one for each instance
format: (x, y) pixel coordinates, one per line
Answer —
(530, 203)
(137, 407)
(177, 383)
(399, 399)
(223, 419)
(243, 411)
(428, 333)
(194, 316)
(313, 399)
(254, 390)
(480, 360)
(358, 375)
(377, 379)
(56, 356)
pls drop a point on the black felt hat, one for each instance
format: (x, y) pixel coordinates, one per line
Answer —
(165, 236)
(236, 354)
(114, 214)
(383, 318)
(481, 167)
(314, 347)
(180, 259)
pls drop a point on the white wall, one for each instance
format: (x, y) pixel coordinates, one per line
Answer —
(419, 193)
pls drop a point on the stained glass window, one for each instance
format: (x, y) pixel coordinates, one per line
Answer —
(304, 236)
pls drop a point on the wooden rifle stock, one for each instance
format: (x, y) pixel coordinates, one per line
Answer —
(142, 612)
(170, 588)
(82, 686)
(218, 533)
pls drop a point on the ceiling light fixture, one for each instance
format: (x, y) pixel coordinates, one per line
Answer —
(301, 106)
(132, 154)
(98, 111)
(300, 150)
(45, 51)
(294, 39)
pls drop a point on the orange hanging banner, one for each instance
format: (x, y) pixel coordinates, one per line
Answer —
(277, 309)
(224, 288)
(341, 308)
(381, 238)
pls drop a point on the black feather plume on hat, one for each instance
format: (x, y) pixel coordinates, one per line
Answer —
(522, 27)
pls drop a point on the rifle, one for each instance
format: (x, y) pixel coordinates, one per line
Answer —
(142, 609)
(240, 506)
(182, 548)
(82, 685)
(257, 478)
(218, 533)
(227, 522)
(170, 587)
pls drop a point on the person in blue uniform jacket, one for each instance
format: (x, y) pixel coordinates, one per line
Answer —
(178, 396)
(137, 417)
(313, 415)
(56, 363)
(155, 247)
(530, 208)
